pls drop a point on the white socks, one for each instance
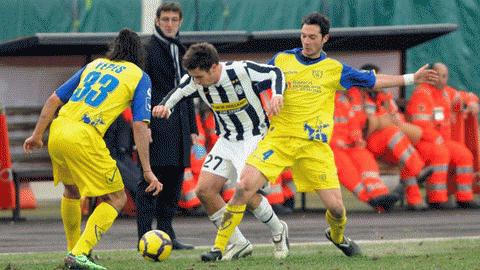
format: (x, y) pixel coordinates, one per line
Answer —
(265, 214)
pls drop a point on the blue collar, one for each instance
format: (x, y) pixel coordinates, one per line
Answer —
(306, 60)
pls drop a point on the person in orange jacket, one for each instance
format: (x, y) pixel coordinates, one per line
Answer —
(430, 107)
(388, 138)
(469, 132)
(356, 166)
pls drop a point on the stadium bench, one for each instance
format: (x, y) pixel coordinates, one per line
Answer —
(35, 167)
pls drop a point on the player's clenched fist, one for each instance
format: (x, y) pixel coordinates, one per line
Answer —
(161, 111)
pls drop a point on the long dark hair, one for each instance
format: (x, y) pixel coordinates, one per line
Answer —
(127, 46)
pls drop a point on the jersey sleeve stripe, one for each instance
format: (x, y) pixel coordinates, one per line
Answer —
(263, 72)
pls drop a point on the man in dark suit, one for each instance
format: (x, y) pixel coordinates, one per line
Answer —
(172, 138)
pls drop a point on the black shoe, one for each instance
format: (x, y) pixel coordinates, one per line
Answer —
(179, 246)
(417, 207)
(468, 205)
(384, 203)
(279, 209)
(211, 256)
(348, 247)
(424, 174)
(442, 206)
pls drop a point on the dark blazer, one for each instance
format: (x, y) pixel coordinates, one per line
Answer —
(171, 138)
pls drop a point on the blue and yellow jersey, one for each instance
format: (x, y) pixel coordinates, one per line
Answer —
(103, 89)
(310, 95)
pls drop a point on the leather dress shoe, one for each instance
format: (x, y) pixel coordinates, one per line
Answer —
(179, 246)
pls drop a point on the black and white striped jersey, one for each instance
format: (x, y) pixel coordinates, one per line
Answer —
(235, 98)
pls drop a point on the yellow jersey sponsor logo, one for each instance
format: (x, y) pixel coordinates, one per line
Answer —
(230, 107)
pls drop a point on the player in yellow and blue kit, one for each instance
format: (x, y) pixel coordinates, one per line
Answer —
(90, 101)
(299, 134)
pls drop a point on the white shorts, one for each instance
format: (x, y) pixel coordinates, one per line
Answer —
(227, 158)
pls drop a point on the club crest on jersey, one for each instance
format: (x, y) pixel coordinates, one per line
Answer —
(316, 134)
(318, 74)
(238, 89)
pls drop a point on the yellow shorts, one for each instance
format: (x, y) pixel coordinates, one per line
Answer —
(80, 157)
(312, 162)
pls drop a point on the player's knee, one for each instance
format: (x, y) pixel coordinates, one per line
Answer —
(71, 192)
(203, 193)
(245, 190)
(117, 199)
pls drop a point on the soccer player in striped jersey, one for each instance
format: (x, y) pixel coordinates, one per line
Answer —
(232, 91)
(300, 133)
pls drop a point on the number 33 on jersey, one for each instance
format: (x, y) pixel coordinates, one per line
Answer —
(101, 90)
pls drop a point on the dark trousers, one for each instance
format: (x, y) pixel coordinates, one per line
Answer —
(130, 172)
(162, 207)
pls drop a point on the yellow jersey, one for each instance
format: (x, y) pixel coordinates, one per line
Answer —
(310, 95)
(103, 89)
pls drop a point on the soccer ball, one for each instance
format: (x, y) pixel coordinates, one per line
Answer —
(155, 246)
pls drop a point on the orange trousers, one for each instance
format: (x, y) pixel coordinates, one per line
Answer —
(393, 146)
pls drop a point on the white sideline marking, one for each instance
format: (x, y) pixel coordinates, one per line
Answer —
(408, 240)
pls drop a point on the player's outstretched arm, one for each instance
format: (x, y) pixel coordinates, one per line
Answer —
(423, 75)
(142, 140)
(46, 116)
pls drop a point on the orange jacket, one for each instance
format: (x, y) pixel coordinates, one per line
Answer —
(430, 109)
(347, 129)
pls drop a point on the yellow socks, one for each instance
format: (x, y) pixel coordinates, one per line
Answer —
(231, 219)
(337, 226)
(98, 223)
(72, 220)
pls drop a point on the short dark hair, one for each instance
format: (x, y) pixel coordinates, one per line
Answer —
(201, 55)
(370, 66)
(319, 19)
(169, 6)
(127, 46)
